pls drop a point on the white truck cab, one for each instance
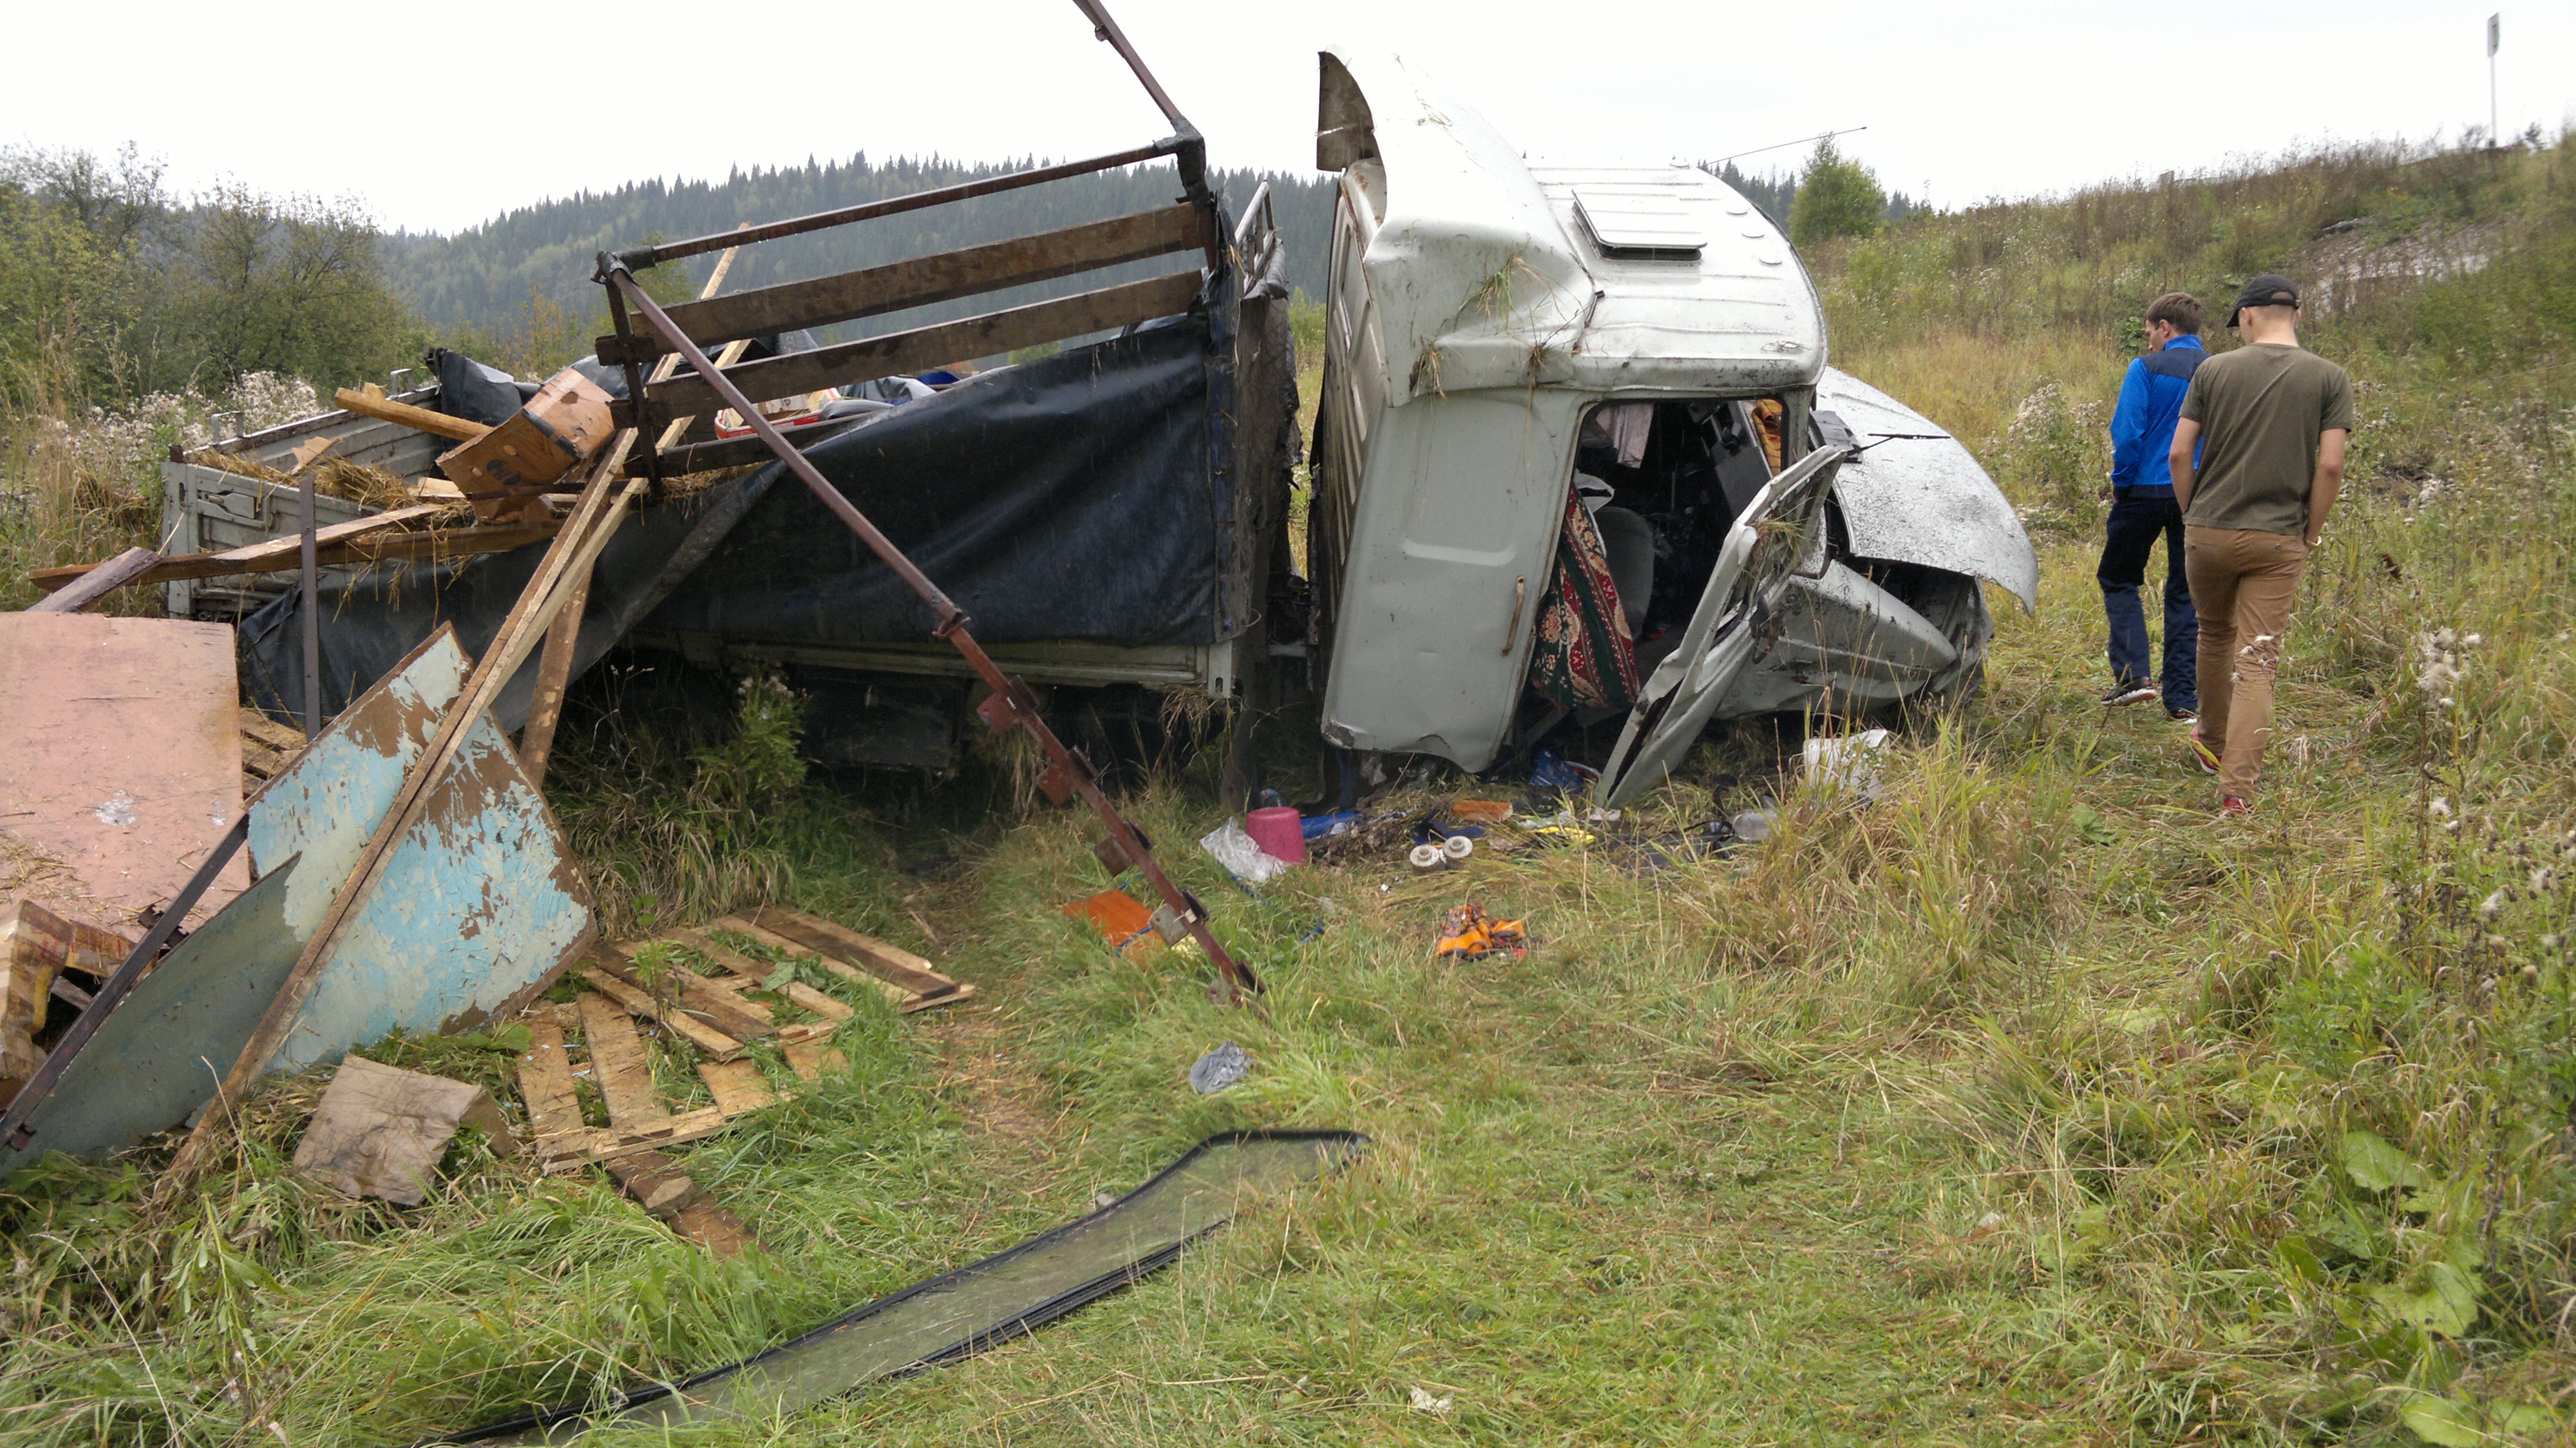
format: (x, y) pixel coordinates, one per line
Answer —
(1496, 327)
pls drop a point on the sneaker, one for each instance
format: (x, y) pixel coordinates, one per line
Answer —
(2234, 808)
(2183, 714)
(2119, 694)
(2202, 754)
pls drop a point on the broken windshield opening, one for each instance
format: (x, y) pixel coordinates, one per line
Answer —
(1663, 482)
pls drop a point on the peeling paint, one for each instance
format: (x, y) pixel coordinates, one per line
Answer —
(480, 904)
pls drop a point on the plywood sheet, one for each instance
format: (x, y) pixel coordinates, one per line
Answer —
(120, 755)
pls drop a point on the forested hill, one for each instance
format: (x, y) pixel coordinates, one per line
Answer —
(478, 280)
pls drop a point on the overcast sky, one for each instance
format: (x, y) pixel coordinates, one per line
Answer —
(436, 124)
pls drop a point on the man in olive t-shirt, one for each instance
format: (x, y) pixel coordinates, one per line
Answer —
(2269, 421)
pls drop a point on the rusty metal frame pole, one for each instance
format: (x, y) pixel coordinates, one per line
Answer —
(1011, 706)
(639, 257)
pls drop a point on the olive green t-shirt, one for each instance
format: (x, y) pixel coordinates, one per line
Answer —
(2260, 409)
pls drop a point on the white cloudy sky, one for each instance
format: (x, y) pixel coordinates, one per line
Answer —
(441, 130)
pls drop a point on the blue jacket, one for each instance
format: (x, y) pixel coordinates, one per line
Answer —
(2142, 427)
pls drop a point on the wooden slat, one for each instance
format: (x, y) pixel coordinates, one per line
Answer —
(131, 566)
(619, 1064)
(707, 1223)
(640, 1002)
(419, 419)
(716, 1008)
(738, 1085)
(898, 352)
(734, 452)
(437, 543)
(922, 281)
(892, 962)
(842, 968)
(655, 1182)
(292, 545)
(285, 737)
(748, 972)
(608, 1145)
(545, 1087)
(809, 1060)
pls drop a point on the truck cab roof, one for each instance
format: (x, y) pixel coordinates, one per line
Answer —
(1491, 270)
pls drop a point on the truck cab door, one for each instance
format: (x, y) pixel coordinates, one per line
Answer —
(1777, 531)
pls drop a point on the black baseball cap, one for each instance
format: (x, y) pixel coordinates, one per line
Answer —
(2271, 289)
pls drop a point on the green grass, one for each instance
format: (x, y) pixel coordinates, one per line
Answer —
(2030, 1104)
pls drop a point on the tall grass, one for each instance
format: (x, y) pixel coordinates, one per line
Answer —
(2029, 1102)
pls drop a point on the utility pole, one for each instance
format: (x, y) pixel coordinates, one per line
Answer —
(2494, 24)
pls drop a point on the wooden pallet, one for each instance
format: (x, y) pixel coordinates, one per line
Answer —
(615, 1058)
(907, 979)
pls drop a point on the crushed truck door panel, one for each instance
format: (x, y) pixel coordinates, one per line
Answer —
(1777, 530)
(1452, 539)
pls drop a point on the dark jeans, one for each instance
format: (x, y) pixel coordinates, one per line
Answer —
(2136, 523)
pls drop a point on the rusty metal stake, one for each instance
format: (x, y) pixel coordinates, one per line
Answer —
(1012, 706)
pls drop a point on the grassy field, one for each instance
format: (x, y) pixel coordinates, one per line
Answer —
(2030, 1103)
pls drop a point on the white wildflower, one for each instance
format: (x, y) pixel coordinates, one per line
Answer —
(2493, 903)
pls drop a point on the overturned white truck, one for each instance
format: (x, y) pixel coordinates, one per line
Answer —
(1617, 371)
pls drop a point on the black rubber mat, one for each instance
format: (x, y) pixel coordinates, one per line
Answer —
(961, 1313)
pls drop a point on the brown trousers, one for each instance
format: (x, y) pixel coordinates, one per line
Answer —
(2243, 582)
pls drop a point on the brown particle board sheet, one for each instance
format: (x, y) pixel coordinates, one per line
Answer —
(120, 755)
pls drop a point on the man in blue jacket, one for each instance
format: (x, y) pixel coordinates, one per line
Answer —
(2143, 510)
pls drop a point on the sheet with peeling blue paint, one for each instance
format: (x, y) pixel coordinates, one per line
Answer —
(479, 904)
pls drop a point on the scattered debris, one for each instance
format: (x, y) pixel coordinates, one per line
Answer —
(503, 469)
(1225, 1066)
(1278, 832)
(1471, 934)
(1437, 1407)
(1120, 918)
(1753, 826)
(660, 1187)
(1242, 857)
(380, 1132)
(1850, 765)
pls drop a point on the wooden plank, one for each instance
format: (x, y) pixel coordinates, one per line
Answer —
(842, 968)
(639, 1001)
(619, 1064)
(96, 583)
(738, 1085)
(734, 452)
(921, 347)
(696, 997)
(372, 548)
(420, 419)
(546, 1089)
(291, 546)
(554, 677)
(655, 1182)
(809, 1060)
(286, 737)
(599, 1146)
(922, 281)
(892, 962)
(748, 973)
(708, 1224)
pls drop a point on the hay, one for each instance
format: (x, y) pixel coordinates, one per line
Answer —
(359, 483)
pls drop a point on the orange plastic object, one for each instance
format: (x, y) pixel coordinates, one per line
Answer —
(1116, 915)
(1470, 933)
(1480, 811)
